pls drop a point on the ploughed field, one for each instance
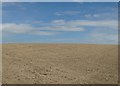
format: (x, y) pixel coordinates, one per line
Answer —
(59, 64)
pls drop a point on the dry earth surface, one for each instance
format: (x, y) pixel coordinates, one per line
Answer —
(0, 64)
(60, 64)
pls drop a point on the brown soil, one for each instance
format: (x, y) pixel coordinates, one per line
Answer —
(60, 64)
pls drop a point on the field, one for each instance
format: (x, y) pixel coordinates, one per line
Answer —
(59, 64)
(0, 64)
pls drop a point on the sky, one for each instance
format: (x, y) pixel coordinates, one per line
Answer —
(60, 0)
(60, 22)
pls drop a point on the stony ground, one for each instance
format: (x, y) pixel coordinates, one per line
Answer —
(59, 64)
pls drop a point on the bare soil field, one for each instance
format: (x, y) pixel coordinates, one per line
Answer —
(59, 64)
(0, 64)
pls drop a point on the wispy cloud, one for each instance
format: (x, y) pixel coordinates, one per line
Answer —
(11, 28)
(58, 25)
(103, 16)
(67, 13)
(92, 15)
(112, 24)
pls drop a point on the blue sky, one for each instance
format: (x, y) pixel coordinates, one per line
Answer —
(60, 22)
(60, 0)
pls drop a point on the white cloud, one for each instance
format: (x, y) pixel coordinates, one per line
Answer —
(11, 28)
(43, 33)
(64, 28)
(104, 16)
(112, 24)
(101, 33)
(67, 13)
(96, 15)
(107, 24)
(59, 22)
(88, 16)
(56, 26)
(92, 15)
(14, 28)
